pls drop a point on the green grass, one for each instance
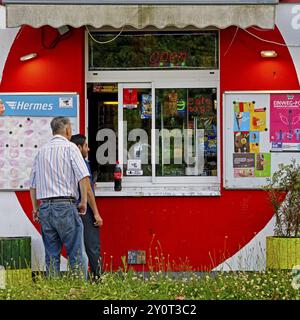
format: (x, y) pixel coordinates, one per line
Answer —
(267, 285)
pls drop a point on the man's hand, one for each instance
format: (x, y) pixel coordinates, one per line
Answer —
(35, 215)
(82, 208)
(35, 205)
(98, 220)
(83, 184)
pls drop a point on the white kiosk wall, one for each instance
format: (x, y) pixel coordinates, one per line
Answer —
(25, 127)
(260, 130)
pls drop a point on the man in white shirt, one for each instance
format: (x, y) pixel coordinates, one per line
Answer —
(58, 168)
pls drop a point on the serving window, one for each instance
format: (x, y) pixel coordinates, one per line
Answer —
(155, 114)
(165, 138)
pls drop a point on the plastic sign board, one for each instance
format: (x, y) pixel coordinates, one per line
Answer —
(38, 105)
(134, 168)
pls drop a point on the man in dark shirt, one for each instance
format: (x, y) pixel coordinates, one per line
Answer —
(92, 219)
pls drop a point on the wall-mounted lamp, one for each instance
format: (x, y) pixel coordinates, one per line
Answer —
(28, 56)
(268, 53)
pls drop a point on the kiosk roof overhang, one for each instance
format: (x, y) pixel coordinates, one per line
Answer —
(159, 14)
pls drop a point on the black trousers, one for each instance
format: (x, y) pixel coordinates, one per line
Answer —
(92, 242)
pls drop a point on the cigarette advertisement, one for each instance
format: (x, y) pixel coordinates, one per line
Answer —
(24, 128)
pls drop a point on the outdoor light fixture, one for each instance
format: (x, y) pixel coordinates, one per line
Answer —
(268, 53)
(28, 56)
(63, 30)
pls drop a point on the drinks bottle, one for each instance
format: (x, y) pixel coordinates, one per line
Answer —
(118, 177)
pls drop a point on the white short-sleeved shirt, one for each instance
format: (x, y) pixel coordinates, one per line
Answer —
(57, 169)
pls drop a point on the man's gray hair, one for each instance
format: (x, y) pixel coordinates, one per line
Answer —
(58, 124)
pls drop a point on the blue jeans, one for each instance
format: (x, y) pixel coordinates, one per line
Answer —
(92, 242)
(61, 224)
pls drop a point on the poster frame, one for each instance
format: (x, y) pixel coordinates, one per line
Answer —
(58, 93)
(277, 157)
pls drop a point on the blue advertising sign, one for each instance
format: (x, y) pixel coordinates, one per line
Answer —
(38, 105)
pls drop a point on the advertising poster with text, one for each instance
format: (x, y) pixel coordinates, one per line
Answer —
(285, 118)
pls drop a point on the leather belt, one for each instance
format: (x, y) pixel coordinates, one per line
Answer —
(59, 199)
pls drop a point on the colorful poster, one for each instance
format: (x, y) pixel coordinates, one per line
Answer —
(243, 160)
(170, 104)
(254, 142)
(241, 142)
(243, 172)
(243, 106)
(285, 118)
(241, 121)
(146, 106)
(262, 165)
(254, 147)
(254, 137)
(258, 118)
(130, 98)
(210, 143)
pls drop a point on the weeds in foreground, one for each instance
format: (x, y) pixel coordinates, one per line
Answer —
(267, 285)
(166, 280)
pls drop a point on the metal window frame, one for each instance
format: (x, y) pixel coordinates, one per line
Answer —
(160, 186)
